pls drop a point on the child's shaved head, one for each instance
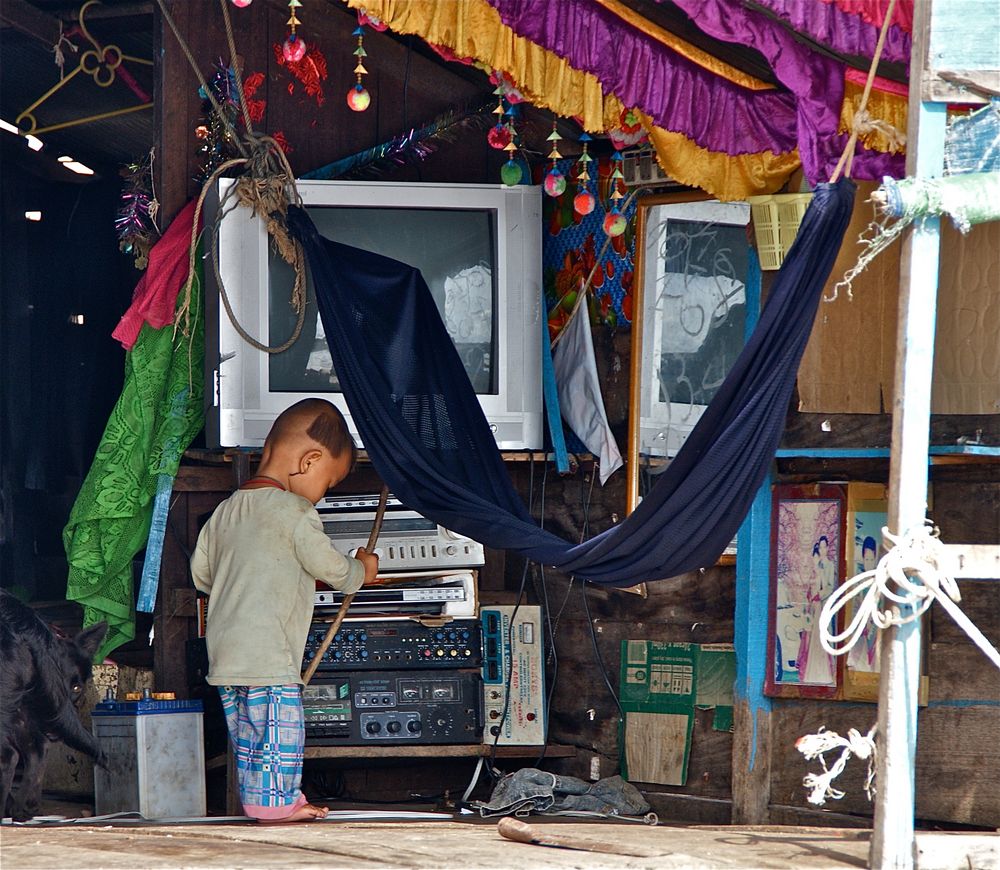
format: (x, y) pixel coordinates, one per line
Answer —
(317, 420)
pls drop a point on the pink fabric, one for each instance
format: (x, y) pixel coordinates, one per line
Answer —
(274, 814)
(873, 11)
(860, 78)
(155, 296)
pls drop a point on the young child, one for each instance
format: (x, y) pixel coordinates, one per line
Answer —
(257, 558)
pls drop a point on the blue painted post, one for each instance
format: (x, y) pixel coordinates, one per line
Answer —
(752, 711)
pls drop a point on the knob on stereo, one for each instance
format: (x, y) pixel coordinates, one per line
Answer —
(394, 727)
(414, 726)
(373, 727)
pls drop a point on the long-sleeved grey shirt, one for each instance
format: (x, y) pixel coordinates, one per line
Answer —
(258, 558)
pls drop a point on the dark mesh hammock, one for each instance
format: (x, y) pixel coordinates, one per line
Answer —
(426, 435)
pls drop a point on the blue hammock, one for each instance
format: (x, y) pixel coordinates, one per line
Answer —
(426, 435)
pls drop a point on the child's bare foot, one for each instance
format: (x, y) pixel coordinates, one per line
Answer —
(305, 813)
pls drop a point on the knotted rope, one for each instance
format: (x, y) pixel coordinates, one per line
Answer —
(909, 576)
(815, 745)
(266, 186)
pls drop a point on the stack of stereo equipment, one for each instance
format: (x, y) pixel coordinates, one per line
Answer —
(405, 667)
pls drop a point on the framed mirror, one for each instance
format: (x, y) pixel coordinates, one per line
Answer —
(697, 297)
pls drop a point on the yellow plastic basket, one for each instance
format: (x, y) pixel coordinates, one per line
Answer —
(776, 220)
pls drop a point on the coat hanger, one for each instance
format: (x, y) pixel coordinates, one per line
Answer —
(101, 63)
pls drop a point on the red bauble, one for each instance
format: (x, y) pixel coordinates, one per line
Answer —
(499, 136)
(293, 49)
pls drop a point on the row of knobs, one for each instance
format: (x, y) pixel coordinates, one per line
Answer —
(393, 726)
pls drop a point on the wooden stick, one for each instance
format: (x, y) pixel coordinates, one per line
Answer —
(310, 671)
(521, 832)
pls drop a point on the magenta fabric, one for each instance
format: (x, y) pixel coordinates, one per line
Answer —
(817, 81)
(677, 94)
(873, 11)
(828, 24)
(155, 296)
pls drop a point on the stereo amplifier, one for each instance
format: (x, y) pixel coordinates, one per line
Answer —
(368, 644)
(512, 659)
(408, 540)
(393, 708)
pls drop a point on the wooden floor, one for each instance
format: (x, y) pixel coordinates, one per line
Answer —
(332, 845)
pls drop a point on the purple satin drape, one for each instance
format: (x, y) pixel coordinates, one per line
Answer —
(683, 97)
(642, 72)
(841, 31)
(817, 81)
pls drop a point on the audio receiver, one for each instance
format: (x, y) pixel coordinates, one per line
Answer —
(393, 708)
(374, 644)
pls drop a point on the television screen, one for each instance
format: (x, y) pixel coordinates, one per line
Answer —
(454, 249)
(478, 247)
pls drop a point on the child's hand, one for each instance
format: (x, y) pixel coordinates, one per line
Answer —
(370, 561)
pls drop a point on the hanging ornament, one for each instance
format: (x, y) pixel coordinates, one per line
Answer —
(358, 97)
(498, 136)
(294, 48)
(511, 173)
(584, 202)
(555, 181)
(614, 220)
(242, 4)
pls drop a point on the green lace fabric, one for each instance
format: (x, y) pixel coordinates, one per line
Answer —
(157, 415)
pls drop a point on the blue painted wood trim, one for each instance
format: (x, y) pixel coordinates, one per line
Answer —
(879, 452)
(753, 564)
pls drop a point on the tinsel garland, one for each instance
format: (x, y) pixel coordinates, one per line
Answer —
(135, 222)
(216, 141)
(414, 146)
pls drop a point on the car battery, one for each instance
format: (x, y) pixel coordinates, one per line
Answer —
(155, 758)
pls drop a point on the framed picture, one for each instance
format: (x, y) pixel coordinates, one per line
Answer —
(867, 510)
(807, 564)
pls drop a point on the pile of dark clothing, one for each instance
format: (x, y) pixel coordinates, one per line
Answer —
(530, 790)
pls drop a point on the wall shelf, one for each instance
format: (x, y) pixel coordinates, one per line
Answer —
(452, 751)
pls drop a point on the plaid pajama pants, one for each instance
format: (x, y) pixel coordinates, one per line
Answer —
(267, 732)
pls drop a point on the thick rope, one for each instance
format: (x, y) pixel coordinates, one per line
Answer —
(908, 576)
(815, 745)
(847, 158)
(266, 187)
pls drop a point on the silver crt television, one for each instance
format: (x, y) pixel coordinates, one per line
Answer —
(479, 248)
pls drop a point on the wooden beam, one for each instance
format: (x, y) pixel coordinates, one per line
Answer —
(30, 20)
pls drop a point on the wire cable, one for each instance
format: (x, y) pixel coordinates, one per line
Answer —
(604, 671)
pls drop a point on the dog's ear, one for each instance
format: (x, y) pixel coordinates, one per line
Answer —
(90, 639)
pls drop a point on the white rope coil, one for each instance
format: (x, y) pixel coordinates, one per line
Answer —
(815, 745)
(908, 576)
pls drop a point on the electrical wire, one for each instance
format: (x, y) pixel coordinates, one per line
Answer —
(492, 770)
(604, 671)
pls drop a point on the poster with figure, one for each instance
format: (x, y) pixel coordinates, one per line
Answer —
(807, 565)
(867, 506)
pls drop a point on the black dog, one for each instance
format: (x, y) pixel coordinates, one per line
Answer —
(42, 676)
